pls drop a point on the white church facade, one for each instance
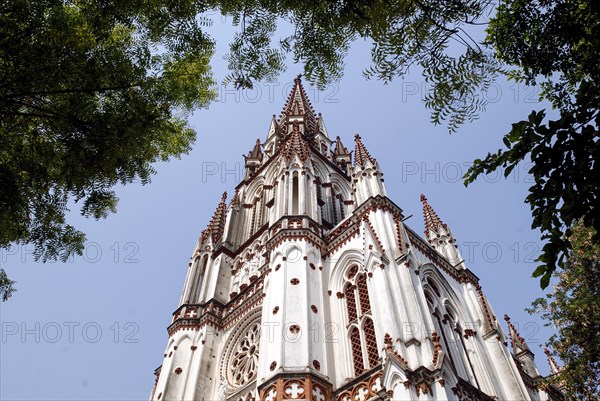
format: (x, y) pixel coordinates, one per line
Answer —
(308, 285)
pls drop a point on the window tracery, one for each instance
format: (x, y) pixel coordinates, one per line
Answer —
(199, 268)
(240, 367)
(361, 334)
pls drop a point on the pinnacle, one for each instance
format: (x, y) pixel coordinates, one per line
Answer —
(517, 342)
(432, 221)
(256, 152)
(340, 149)
(554, 368)
(217, 223)
(361, 154)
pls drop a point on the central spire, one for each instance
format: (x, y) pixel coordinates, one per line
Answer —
(298, 105)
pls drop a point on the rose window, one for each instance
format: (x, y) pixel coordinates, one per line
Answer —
(244, 361)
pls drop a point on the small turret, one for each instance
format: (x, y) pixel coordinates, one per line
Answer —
(439, 235)
(367, 176)
(254, 159)
(341, 156)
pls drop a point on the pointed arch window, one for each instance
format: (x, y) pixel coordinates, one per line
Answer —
(197, 278)
(361, 334)
(261, 211)
(334, 207)
(337, 205)
(446, 325)
(320, 202)
(253, 220)
(295, 195)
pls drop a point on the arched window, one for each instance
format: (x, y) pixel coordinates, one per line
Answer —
(199, 267)
(334, 207)
(253, 220)
(445, 325)
(320, 201)
(295, 195)
(261, 207)
(341, 205)
(337, 205)
(361, 333)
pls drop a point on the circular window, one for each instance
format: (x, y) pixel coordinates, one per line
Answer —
(243, 359)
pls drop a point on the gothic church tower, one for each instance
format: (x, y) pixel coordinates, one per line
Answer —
(307, 285)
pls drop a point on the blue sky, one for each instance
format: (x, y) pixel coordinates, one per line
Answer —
(94, 328)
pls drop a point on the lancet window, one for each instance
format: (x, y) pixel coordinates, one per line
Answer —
(361, 331)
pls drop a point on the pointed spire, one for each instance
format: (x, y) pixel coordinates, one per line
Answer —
(217, 223)
(518, 343)
(340, 149)
(298, 104)
(361, 154)
(432, 221)
(554, 368)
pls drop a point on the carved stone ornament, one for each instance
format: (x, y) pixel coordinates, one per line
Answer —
(243, 362)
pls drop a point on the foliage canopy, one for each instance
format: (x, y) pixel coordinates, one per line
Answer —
(573, 308)
(91, 94)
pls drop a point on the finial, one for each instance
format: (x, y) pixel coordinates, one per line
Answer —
(298, 78)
